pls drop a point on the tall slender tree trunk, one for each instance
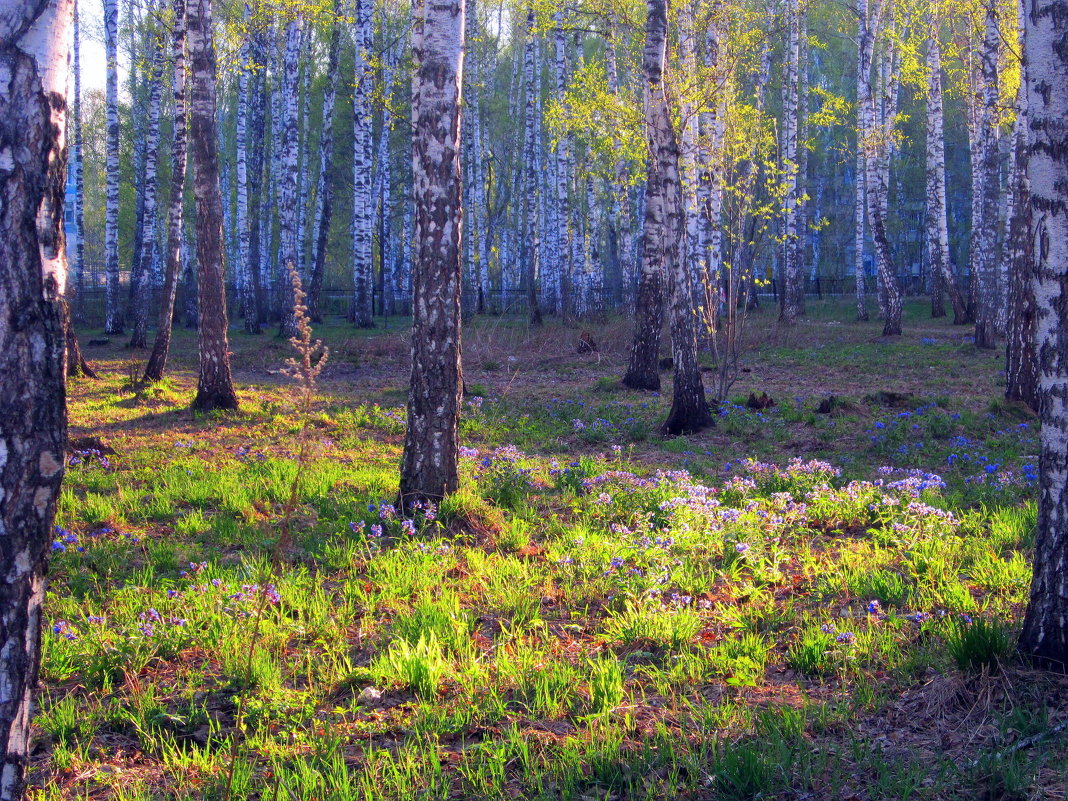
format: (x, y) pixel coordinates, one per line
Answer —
(621, 219)
(643, 367)
(324, 195)
(865, 45)
(288, 211)
(793, 280)
(33, 410)
(530, 246)
(1021, 357)
(246, 286)
(384, 190)
(1045, 631)
(689, 408)
(157, 361)
(77, 163)
(429, 464)
(140, 278)
(562, 270)
(936, 221)
(986, 255)
(113, 323)
(363, 207)
(215, 388)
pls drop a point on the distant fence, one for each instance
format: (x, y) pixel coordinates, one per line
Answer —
(88, 306)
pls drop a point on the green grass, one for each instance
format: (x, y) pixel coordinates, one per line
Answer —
(582, 620)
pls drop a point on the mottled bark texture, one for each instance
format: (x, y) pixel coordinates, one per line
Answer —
(363, 206)
(112, 304)
(986, 257)
(689, 409)
(1021, 359)
(215, 388)
(141, 277)
(865, 45)
(643, 367)
(1045, 631)
(530, 244)
(429, 465)
(157, 361)
(324, 195)
(33, 408)
(288, 212)
(937, 225)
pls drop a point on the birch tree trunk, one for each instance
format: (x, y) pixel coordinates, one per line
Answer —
(936, 222)
(246, 287)
(793, 280)
(875, 136)
(643, 368)
(429, 464)
(530, 246)
(986, 254)
(140, 279)
(113, 323)
(620, 221)
(215, 389)
(865, 45)
(1045, 631)
(157, 361)
(560, 283)
(1021, 358)
(689, 409)
(288, 211)
(33, 410)
(363, 207)
(383, 190)
(77, 163)
(324, 194)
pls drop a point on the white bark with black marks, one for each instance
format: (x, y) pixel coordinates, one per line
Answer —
(1045, 631)
(33, 410)
(429, 468)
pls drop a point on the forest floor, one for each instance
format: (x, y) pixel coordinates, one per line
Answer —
(815, 600)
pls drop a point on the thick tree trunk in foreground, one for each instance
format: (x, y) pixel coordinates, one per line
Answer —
(429, 466)
(113, 310)
(157, 362)
(215, 389)
(936, 223)
(33, 407)
(1045, 632)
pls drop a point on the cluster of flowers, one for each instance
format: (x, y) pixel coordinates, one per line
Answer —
(88, 457)
(65, 540)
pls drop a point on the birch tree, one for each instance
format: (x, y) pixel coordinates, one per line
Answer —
(363, 206)
(429, 468)
(324, 194)
(113, 323)
(985, 257)
(288, 211)
(140, 278)
(215, 389)
(1021, 358)
(937, 224)
(689, 409)
(157, 361)
(792, 297)
(530, 245)
(1045, 631)
(33, 415)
